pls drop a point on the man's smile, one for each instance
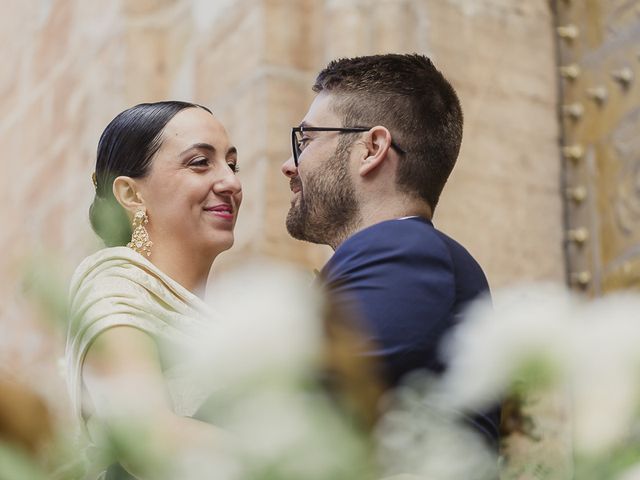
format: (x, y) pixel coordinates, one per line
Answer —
(295, 185)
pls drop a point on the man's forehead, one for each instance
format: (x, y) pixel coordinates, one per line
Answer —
(321, 113)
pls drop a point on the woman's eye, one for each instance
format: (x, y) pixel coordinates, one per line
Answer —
(199, 162)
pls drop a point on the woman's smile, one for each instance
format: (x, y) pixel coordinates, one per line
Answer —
(223, 210)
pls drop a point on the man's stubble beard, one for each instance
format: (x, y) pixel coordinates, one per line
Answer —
(326, 210)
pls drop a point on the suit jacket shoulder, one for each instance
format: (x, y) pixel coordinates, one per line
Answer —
(408, 284)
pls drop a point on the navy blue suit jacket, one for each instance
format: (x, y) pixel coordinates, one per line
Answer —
(409, 284)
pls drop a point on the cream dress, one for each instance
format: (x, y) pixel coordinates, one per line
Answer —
(119, 287)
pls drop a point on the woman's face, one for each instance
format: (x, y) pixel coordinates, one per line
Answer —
(191, 193)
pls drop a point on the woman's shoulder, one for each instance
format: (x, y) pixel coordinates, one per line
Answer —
(111, 256)
(107, 260)
(120, 272)
(109, 268)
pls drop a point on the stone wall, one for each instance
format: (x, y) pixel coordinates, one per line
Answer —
(71, 65)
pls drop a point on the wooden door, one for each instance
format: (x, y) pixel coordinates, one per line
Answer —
(599, 71)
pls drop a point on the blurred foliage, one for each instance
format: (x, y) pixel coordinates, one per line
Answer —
(611, 465)
(45, 285)
(315, 421)
(17, 464)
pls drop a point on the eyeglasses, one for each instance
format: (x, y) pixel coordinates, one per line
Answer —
(297, 141)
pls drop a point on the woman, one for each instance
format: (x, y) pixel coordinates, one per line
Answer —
(166, 203)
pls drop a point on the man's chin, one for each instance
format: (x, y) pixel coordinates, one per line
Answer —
(300, 231)
(295, 224)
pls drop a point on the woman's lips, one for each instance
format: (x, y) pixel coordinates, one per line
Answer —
(224, 211)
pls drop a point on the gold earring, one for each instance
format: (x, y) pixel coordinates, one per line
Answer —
(140, 238)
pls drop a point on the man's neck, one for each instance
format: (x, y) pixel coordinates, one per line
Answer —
(373, 214)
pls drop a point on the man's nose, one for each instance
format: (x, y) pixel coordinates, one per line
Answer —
(289, 169)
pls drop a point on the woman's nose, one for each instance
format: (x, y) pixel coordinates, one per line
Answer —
(229, 184)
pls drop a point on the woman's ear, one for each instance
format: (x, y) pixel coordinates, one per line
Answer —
(127, 193)
(378, 142)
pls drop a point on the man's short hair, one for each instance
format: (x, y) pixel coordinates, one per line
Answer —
(410, 97)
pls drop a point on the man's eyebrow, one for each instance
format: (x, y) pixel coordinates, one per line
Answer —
(232, 151)
(305, 124)
(200, 146)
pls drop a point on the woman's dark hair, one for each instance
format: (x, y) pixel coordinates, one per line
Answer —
(127, 147)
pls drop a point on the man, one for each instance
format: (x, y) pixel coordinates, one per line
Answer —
(370, 160)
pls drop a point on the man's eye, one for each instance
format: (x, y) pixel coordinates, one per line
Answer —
(303, 142)
(235, 168)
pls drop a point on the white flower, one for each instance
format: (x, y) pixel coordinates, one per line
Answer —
(268, 325)
(492, 345)
(591, 346)
(419, 438)
(265, 350)
(606, 371)
(632, 473)
(297, 434)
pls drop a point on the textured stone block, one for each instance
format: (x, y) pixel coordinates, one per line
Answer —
(524, 245)
(347, 30)
(52, 40)
(230, 56)
(141, 7)
(293, 33)
(395, 27)
(146, 73)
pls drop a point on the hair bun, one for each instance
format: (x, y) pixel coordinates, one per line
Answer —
(109, 221)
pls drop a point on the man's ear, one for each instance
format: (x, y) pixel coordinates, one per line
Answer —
(378, 142)
(127, 193)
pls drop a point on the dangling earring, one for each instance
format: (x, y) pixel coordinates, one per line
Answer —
(140, 238)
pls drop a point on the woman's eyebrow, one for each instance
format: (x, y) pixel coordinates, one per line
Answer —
(200, 146)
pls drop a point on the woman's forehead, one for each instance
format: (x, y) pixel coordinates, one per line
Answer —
(192, 126)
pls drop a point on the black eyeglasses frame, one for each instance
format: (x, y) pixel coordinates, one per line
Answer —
(295, 147)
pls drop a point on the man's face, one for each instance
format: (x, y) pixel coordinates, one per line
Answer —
(323, 203)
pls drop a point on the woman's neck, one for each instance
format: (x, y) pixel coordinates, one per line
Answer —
(189, 269)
